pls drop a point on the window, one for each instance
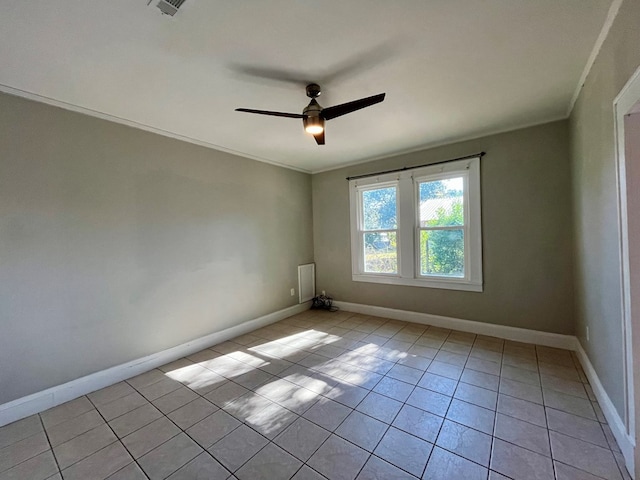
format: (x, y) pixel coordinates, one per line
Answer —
(380, 229)
(419, 227)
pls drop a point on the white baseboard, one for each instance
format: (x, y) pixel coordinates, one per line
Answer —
(40, 401)
(501, 331)
(625, 441)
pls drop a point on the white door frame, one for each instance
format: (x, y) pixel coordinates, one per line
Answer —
(622, 104)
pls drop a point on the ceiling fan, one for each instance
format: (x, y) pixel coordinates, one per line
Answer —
(314, 116)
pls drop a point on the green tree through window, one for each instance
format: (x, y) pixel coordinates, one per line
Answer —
(380, 215)
(380, 208)
(441, 210)
(442, 251)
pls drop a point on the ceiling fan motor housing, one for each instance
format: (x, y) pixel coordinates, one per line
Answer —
(313, 90)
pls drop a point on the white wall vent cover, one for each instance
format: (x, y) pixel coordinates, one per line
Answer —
(306, 282)
(170, 7)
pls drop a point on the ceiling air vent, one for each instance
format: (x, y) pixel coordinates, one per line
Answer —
(170, 7)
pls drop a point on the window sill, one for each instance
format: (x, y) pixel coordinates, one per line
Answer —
(414, 282)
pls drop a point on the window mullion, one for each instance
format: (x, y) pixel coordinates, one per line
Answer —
(406, 223)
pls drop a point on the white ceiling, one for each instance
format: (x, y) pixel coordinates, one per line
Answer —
(452, 69)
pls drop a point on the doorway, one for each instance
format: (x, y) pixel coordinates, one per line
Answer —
(627, 111)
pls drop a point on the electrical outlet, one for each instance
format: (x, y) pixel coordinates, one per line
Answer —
(587, 333)
(293, 292)
(324, 293)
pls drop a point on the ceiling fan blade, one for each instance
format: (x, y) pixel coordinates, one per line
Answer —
(339, 110)
(271, 74)
(359, 62)
(319, 138)
(273, 114)
(352, 66)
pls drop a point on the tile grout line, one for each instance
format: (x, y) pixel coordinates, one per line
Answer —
(381, 437)
(546, 420)
(25, 438)
(444, 418)
(269, 441)
(55, 458)
(495, 419)
(204, 450)
(60, 470)
(134, 460)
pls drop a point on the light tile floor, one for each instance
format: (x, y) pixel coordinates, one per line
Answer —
(335, 395)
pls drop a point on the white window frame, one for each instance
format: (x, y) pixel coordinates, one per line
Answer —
(408, 226)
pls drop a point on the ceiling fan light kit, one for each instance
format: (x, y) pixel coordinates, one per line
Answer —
(312, 121)
(314, 116)
(313, 125)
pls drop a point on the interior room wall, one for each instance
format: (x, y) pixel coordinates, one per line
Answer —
(526, 230)
(117, 243)
(598, 284)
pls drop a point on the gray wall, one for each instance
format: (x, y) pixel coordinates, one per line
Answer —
(527, 241)
(598, 292)
(116, 243)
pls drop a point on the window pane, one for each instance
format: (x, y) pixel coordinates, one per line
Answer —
(442, 252)
(380, 252)
(379, 209)
(441, 203)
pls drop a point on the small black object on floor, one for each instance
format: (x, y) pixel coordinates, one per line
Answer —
(322, 302)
